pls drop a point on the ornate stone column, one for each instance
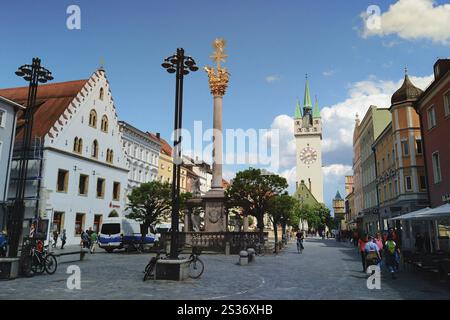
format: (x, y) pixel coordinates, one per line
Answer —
(214, 199)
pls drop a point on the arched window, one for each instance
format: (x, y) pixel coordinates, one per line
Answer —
(109, 156)
(104, 125)
(93, 118)
(94, 152)
(75, 145)
(102, 94)
(80, 146)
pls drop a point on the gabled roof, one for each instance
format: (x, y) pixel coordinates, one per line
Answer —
(51, 101)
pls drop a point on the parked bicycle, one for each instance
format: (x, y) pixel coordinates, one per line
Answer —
(196, 266)
(150, 268)
(39, 260)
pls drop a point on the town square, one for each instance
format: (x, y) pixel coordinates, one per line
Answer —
(209, 151)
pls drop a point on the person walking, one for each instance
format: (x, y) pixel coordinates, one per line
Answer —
(372, 252)
(85, 239)
(361, 246)
(55, 238)
(392, 256)
(300, 237)
(94, 238)
(63, 237)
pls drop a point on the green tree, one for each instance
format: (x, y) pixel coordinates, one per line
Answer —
(251, 190)
(150, 203)
(280, 213)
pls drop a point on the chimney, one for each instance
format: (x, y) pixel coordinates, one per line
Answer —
(158, 135)
(309, 180)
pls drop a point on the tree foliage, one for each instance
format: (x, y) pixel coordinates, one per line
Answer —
(318, 216)
(150, 202)
(251, 190)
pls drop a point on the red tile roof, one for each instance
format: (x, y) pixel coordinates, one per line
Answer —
(52, 100)
(165, 147)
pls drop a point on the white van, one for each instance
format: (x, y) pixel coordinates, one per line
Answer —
(117, 232)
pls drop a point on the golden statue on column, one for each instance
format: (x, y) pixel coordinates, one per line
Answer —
(215, 220)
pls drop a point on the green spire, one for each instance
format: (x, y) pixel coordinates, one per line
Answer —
(298, 111)
(307, 103)
(316, 112)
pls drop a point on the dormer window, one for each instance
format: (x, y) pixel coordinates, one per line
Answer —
(93, 119)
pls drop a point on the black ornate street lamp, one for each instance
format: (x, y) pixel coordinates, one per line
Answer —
(34, 74)
(181, 65)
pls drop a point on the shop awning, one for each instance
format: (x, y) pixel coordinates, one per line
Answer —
(441, 212)
(412, 215)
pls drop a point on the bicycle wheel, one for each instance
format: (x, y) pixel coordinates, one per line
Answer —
(38, 266)
(196, 268)
(149, 271)
(27, 267)
(50, 264)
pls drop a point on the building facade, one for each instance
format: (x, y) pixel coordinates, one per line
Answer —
(433, 107)
(410, 187)
(373, 123)
(165, 173)
(308, 136)
(142, 152)
(83, 171)
(8, 119)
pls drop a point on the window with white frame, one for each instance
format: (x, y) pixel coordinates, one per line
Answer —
(419, 146)
(2, 118)
(436, 167)
(405, 148)
(431, 118)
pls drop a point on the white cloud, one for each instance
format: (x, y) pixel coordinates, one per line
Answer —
(331, 172)
(273, 78)
(411, 20)
(328, 73)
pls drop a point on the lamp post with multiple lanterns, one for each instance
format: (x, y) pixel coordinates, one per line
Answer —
(33, 74)
(181, 65)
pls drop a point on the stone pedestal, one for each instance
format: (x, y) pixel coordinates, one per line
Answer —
(215, 211)
(176, 270)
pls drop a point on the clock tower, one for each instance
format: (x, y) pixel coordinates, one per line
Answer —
(308, 136)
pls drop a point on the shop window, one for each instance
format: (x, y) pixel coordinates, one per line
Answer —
(79, 223)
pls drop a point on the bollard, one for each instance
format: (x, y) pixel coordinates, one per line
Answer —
(227, 248)
(251, 254)
(243, 258)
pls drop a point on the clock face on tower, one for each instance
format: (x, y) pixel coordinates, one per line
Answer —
(308, 155)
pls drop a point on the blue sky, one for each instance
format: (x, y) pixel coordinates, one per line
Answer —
(281, 40)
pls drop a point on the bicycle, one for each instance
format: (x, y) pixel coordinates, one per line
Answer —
(196, 266)
(39, 260)
(149, 271)
(260, 249)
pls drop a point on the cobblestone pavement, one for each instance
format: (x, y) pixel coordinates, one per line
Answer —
(326, 270)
